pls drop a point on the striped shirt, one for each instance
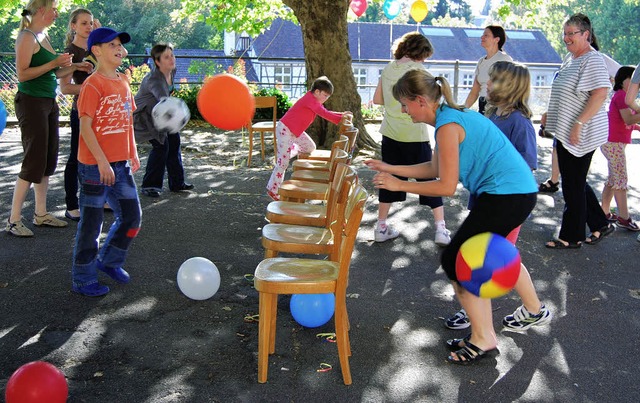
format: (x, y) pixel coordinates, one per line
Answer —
(570, 93)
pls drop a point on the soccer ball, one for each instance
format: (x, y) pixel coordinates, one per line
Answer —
(170, 115)
(488, 265)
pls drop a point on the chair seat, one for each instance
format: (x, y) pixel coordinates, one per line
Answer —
(311, 165)
(284, 212)
(318, 155)
(303, 190)
(312, 176)
(267, 126)
(319, 275)
(297, 239)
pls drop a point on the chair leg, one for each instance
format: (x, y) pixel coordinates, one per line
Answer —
(264, 334)
(262, 144)
(342, 340)
(272, 326)
(250, 148)
(269, 253)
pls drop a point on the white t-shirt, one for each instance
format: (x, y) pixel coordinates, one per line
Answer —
(482, 69)
(636, 76)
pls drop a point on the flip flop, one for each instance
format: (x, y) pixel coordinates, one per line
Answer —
(603, 232)
(560, 244)
(454, 344)
(470, 354)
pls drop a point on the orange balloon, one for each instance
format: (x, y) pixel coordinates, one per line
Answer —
(419, 11)
(226, 102)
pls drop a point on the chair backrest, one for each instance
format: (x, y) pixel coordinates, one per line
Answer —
(353, 213)
(340, 216)
(352, 135)
(268, 102)
(335, 188)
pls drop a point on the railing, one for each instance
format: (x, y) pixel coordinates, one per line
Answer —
(537, 102)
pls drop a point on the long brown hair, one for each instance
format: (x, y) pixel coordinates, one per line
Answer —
(510, 89)
(73, 18)
(419, 82)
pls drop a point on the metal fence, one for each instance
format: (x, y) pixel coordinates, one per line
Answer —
(9, 82)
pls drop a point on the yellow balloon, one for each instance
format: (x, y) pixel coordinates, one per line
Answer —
(419, 11)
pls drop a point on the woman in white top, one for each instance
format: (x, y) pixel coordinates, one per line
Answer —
(492, 40)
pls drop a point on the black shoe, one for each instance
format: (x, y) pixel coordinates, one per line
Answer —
(151, 193)
(183, 187)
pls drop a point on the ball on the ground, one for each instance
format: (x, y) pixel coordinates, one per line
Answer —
(37, 382)
(198, 278)
(312, 310)
(226, 102)
(3, 116)
(488, 265)
(170, 115)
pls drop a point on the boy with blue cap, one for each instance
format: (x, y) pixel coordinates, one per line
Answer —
(107, 158)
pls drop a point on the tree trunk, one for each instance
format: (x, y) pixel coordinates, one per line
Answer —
(326, 51)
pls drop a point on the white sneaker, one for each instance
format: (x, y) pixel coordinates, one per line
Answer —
(443, 237)
(384, 233)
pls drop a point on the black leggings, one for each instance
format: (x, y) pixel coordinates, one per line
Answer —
(499, 214)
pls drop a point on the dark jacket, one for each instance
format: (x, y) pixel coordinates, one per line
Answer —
(153, 88)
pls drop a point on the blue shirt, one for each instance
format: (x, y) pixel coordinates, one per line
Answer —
(520, 133)
(489, 163)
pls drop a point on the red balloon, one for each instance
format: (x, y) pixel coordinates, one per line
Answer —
(37, 382)
(226, 102)
(358, 7)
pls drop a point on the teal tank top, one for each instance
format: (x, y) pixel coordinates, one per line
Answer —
(45, 85)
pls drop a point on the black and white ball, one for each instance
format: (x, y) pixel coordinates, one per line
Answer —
(170, 115)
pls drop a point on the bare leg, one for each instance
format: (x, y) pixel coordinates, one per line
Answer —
(480, 315)
(383, 210)
(41, 190)
(621, 202)
(607, 196)
(438, 213)
(19, 196)
(555, 168)
(527, 292)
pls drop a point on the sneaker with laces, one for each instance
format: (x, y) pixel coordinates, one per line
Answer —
(91, 290)
(458, 321)
(522, 319)
(48, 220)
(385, 232)
(628, 224)
(443, 237)
(18, 229)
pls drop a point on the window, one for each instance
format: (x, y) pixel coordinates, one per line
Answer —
(541, 81)
(360, 76)
(467, 80)
(282, 76)
(446, 76)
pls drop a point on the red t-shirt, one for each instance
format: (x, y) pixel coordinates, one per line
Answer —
(108, 101)
(619, 132)
(301, 114)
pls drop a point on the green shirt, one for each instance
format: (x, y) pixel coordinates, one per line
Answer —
(43, 86)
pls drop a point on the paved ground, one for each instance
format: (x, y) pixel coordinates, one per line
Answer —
(146, 342)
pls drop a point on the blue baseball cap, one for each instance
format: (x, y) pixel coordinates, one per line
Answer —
(106, 35)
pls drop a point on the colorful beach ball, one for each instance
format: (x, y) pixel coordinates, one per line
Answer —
(488, 265)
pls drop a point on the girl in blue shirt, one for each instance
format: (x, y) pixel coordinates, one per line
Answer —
(472, 150)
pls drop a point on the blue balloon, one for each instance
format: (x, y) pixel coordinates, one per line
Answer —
(391, 8)
(3, 117)
(312, 310)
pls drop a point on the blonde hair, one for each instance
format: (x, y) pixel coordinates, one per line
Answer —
(419, 82)
(73, 18)
(511, 85)
(31, 9)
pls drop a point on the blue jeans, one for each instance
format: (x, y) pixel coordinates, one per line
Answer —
(123, 200)
(163, 156)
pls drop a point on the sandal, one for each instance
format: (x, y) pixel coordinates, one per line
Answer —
(611, 217)
(469, 354)
(549, 187)
(560, 244)
(602, 232)
(454, 344)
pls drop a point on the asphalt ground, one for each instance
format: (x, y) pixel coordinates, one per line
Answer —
(147, 342)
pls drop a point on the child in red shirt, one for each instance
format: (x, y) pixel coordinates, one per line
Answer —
(107, 157)
(291, 137)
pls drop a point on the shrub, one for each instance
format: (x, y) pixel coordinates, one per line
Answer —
(284, 103)
(371, 111)
(189, 94)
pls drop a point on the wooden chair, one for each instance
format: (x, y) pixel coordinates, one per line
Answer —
(314, 215)
(318, 165)
(337, 156)
(325, 155)
(288, 276)
(345, 124)
(305, 239)
(262, 127)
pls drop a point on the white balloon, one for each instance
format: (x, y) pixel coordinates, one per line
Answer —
(198, 278)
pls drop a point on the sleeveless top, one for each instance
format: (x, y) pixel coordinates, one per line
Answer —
(43, 86)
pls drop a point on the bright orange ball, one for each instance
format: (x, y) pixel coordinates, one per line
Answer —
(226, 102)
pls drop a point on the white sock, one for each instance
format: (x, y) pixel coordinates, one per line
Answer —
(382, 223)
(440, 225)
